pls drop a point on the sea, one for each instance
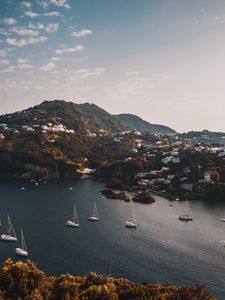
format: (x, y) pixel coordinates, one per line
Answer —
(161, 249)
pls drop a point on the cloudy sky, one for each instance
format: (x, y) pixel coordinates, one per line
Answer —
(163, 60)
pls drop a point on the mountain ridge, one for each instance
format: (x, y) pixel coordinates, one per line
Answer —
(137, 123)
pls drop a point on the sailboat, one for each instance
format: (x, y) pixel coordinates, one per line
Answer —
(11, 235)
(133, 223)
(95, 216)
(23, 250)
(75, 221)
(187, 216)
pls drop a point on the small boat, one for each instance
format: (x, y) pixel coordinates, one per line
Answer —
(75, 221)
(132, 224)
(95, 216)
(222, 219)
(11, 235)
(187, 216)
(129, 224)
(23, 250)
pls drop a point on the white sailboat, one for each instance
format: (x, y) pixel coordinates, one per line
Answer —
(187, 216)
(11, 235)
(75, 221)
(133, 223)
(23, 250)
(95, 216)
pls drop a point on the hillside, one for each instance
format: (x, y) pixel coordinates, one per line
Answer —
(23, 280)
(80, 117)
(139, 124)
(57, 138)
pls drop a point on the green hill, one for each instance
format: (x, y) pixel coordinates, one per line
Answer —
(55, 138)
(137, 123)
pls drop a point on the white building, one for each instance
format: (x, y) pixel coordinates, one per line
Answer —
(208, 177)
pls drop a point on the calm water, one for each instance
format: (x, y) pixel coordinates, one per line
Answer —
(162, 249)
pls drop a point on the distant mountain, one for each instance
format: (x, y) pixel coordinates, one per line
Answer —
(139, 124)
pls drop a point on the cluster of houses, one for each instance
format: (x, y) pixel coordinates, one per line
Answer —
(173, 173)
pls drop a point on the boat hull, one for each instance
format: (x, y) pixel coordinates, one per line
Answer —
(21, 252)
(93, 219)
(8, 238)
(71, 224)
(130, 225)
(185, 218)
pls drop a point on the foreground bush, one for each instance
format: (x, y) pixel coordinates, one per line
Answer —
(24, 281)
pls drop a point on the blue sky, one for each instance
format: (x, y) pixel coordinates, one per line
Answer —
(160, 59)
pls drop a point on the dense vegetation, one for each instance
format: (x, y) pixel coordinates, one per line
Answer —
(30, 150)
(24, 281)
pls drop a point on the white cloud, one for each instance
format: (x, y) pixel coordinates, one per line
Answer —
(48, 66)
(60, 3)
(25, 31)
(167, 76)
(52, 14)
(81, 33)
(26, 4)
(3, 53)
(24, 42)
(44, 4)
(8, 70)
(25, 67)
(9, 21)
(4, 62)
(84, 73)
(36, 26)
(55, 58)
(23, 61)
(31, 14)
(38, 87)
(69, 50)
(52, 27)
(4, 31)
(131, 73)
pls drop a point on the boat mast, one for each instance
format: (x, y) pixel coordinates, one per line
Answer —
(24, 247)
(9, 231)
(95, 210)
(75, 218)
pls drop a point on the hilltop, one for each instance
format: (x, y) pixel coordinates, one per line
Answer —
(57, 138)
(136, 123)
(23, 280)
(81, 117)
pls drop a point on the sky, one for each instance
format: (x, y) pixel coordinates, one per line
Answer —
(163, 60)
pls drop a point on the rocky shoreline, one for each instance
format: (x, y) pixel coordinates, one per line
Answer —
(143, 197)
